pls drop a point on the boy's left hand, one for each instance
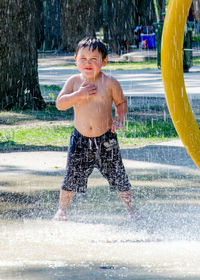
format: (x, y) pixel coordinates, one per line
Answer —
(117, 125)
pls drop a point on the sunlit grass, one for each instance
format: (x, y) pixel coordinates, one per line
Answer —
(51, 87)
(196, 61)
(53, 137)
(148, 132)
(35, 138)
(150, 64)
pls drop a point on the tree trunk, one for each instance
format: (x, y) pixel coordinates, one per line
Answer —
(52, 11)
(98, 14)
(78, 21)
(19, 86)
(39, 23)
(146, 12)
(120, 18)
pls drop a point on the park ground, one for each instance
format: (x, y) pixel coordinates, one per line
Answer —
(46, 134)
(99, 239)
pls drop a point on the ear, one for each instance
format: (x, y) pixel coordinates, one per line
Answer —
(105, 61)
(75, 58)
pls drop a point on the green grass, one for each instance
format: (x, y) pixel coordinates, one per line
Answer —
(51, 137)
(141, 133)
(51, 87)
(196, 38)
(50, 92)
(150, 64)
(196, 61)
(124, 65)
(35, 131)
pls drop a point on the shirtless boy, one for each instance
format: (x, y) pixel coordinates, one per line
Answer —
(93, 143)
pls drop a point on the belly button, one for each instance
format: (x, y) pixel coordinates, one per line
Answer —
(90, 127)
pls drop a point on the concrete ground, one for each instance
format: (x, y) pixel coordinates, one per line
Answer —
(168, 157)
(160, 155)
(98, 241)
(147, 82)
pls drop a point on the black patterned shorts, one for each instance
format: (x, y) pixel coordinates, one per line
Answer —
(87, 153)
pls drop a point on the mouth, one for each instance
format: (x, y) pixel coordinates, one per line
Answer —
(88, 68)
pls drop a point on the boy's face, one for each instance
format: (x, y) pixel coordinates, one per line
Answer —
(89, 62)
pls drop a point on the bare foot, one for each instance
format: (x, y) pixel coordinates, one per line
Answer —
(134, 214)
(60, 215)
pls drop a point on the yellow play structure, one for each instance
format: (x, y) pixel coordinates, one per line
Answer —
(173, 79)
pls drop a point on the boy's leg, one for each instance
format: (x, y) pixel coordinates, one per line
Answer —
(112, 168)
(126, 197)
(64, 204)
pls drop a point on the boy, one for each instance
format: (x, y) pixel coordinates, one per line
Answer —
(93, 142)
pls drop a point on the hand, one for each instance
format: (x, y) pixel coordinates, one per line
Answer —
(87, 89)
(117, 125)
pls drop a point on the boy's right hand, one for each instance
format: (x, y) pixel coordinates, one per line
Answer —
(117, 125)
(87, 89)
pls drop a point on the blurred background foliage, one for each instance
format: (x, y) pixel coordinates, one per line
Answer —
(32, 26)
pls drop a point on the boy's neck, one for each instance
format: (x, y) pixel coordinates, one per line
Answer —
(92, 79)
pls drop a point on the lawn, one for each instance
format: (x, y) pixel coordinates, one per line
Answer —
(196, 61)
(150, 64)
(131, 65)
(50, 130)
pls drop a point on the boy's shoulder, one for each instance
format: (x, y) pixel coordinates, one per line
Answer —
(109, 78)
(74, 80)
(110, 81)
(75, 77)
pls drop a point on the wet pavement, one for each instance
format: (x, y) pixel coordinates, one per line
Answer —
(99, 241)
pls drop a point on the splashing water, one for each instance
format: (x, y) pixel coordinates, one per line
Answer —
(100, 241)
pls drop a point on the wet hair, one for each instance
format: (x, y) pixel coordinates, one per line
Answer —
(93, 44)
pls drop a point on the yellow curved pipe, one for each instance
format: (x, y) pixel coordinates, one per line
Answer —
(173, 79)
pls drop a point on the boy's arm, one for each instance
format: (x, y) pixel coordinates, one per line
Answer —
(121, 111)
(120, 106)
(68, 97)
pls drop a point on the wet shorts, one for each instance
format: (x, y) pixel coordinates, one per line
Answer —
(87, 153)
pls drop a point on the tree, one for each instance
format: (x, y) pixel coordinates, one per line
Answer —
(146, 12)
(39, 23)
(98, 14)
(52, 24)
(19, 86)
(119, 20)
(78, 21)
